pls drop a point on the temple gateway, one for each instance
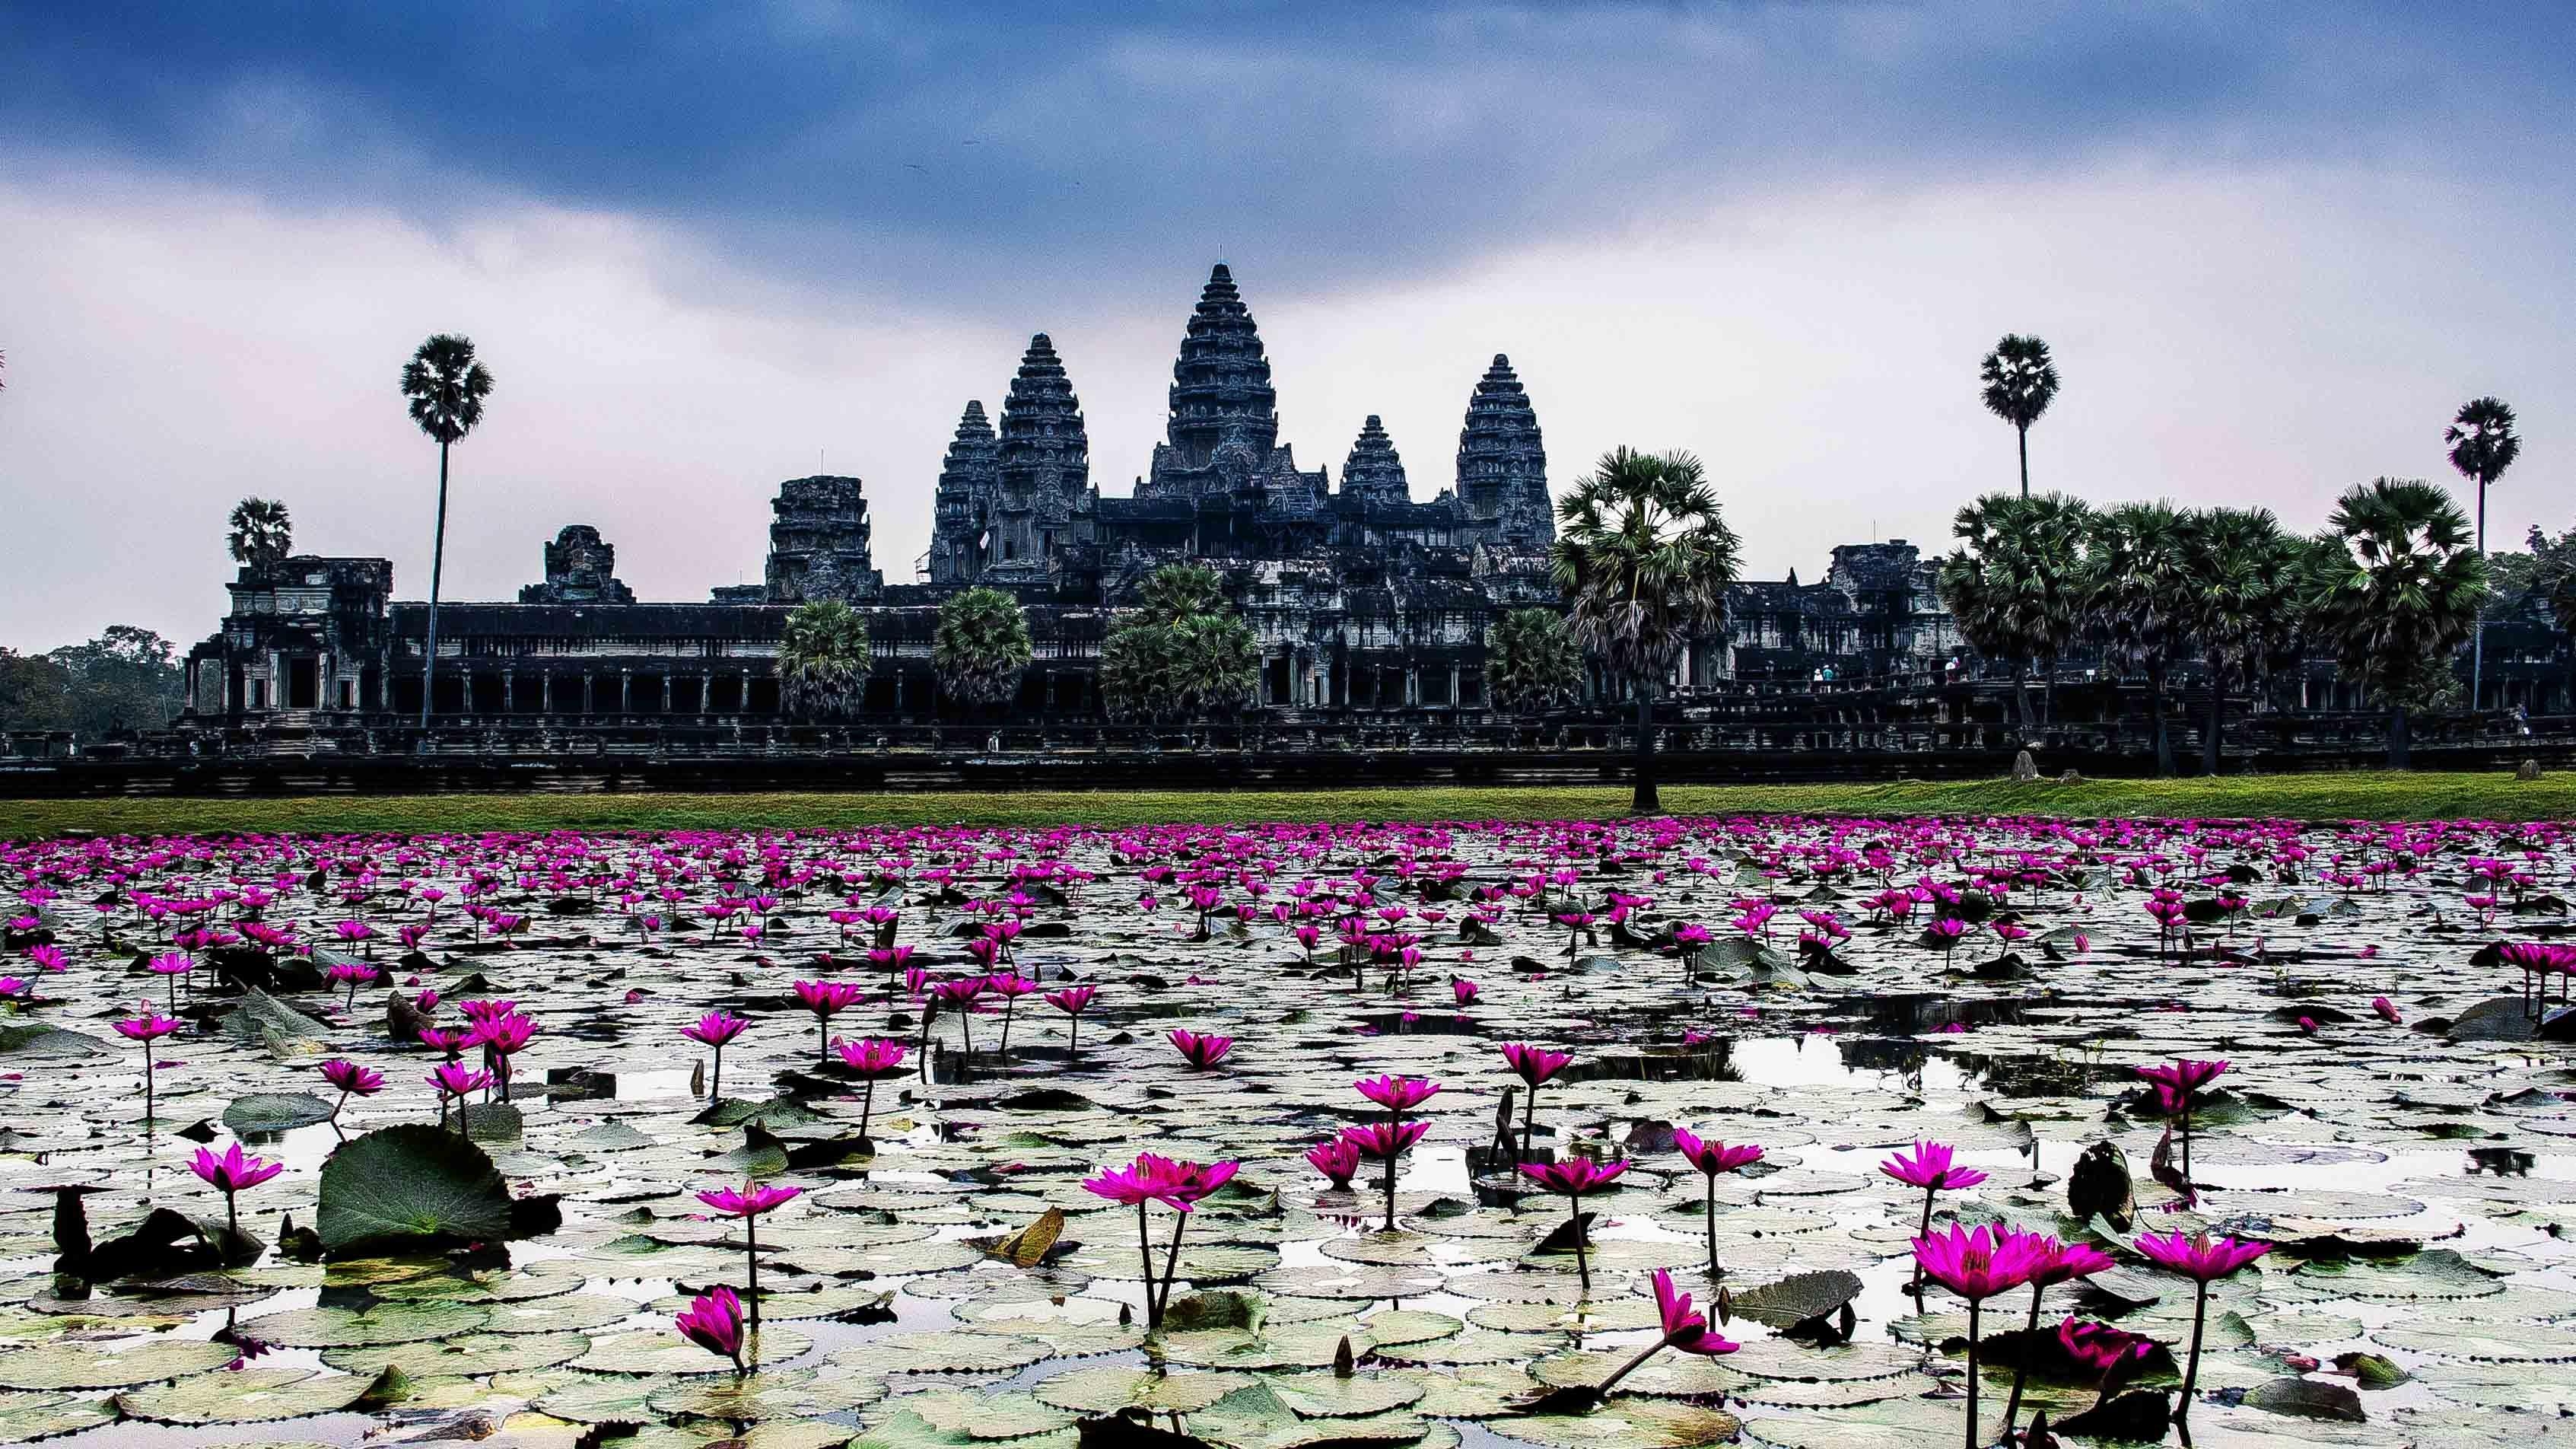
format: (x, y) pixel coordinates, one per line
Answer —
(1364, 597)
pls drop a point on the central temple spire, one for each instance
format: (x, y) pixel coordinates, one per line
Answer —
(1221, 389)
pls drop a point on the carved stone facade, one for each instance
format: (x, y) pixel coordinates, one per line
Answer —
(581, 568)
(818, 543)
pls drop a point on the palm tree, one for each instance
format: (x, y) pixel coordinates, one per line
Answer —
(823, 656)
(2483, 445)
(1180, 652)
(2396, 589)
(1644, 557)
(2015, 584)
(981, 646)
(2138, 599)
(446, 387)
(2243, 578)
(262, 533)
(1531, 660)
(2020, 382)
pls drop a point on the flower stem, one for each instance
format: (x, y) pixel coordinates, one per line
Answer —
(1630, 1366)
(2191, 1370)
(751, 1256)
(1574, 1220)
(1145, 1257)
(2021, 1369)
(1714, 1271)
(1973, 1305)
(1394, 1140)
(1171, 1266)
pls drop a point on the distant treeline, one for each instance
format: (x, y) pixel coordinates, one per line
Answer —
(124, 680)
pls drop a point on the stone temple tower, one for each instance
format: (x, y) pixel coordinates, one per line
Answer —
(962, 511)
(1374, 472)
(1221, 390)
(1042, 470)
(818, 542)
(1502, 467)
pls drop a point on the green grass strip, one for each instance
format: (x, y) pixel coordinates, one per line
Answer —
(2340, 796)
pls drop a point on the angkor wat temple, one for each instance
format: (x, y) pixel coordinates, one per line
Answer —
(1367, 601)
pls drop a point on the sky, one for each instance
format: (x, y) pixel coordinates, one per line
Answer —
(707, 247)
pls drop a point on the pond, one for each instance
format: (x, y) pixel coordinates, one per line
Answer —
(956, 1264)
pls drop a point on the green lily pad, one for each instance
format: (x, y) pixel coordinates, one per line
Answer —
(275, 1112)
(58, 1366)
(255, 1394)
(381, 1323)
(412, 1182)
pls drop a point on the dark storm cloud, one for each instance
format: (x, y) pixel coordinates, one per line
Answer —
(1018, 146)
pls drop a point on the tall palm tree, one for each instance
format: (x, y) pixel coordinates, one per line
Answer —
(446, 388)
(2015, 583)
(1181, 652)
(262, 533)
(2138, 600)
(823, 657)
(2483, 445)
(2396, 589)
(981, 646)
(2021, 381)
(1644, 557)
(1530, 660)
(2243, 577)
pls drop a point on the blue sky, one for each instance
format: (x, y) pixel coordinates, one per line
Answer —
(2273, 243)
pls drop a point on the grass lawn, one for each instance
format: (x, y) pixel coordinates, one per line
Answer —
(2376, 796)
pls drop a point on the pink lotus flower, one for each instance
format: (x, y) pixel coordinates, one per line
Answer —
(825, 999)
(713, 1321)
(1337, 1159)
(1384, 1142)
(1073, 1001)
(1465, 991)
(1930, 1169)
(2051, 1263)
(148, 1028)
(1683, 1327)
(2387, 1011)
(713, 1030)
(748, 1203)
(1200, 1050)
(1976, 1266)
(1179, 1185)
(872, 1060)
(2202, 1260)
(231, 1173)
(353, 1080)
(2114, 1354)
(1713, 1158)
(1574, 1177)
(1397, 1094)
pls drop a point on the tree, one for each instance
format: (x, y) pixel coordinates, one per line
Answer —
(2243, 579)
(2016, 583)
(1644, 558)
(2138, 600)
(2546, 571)
(2396, 590)
(2021, 381)
(124, 680)
(1180, 652)
(823, 657)
(2483, 445)
(1531, 660)
(35, 692)
(981, 646)
(446, 388)
(262, 533)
